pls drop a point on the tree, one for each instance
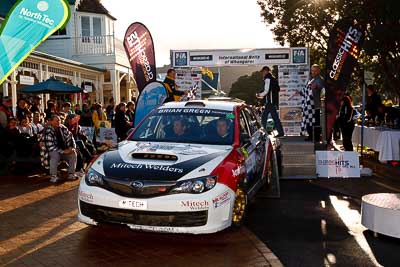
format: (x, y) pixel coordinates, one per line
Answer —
(307, 23)
(246, 87)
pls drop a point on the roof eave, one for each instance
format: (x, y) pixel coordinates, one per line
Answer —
(91, 12)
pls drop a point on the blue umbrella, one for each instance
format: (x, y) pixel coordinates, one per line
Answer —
(52, 85)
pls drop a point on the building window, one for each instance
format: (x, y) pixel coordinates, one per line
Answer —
(97, 30)
(85, 25)
(91, 29)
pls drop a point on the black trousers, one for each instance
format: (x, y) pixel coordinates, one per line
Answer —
(347, 132)
(269, 108)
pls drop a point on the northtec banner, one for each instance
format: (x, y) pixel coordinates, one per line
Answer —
(344, 47)
(27, 25)
(139, 48)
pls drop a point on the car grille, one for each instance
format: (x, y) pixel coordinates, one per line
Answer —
(148, 218)
(149, 188)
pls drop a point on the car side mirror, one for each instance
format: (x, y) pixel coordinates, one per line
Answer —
(245, 138)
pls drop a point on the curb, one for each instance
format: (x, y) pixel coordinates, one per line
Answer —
(268, 255)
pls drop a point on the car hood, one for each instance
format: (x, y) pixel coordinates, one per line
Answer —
(155, 161)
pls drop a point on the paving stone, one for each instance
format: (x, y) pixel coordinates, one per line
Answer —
(38, 227)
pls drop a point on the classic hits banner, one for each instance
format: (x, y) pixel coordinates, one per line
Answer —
(344, 47)
(27, 25)
(139, 48)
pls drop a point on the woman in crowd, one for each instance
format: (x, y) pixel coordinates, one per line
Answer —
(346, 122)
(36, 124)
(122, 124)
(25, 127)
(86, 116)
(130, 112)
(98, 116)
(67, 108)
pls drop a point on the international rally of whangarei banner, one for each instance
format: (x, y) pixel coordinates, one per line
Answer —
(344, 47)
(27, 25)
(139, 48)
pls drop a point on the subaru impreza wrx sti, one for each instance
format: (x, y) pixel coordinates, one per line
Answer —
(188, 167)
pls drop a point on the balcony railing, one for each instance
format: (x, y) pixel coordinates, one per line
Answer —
(94, 45)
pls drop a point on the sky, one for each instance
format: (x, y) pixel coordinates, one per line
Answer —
(188, 24)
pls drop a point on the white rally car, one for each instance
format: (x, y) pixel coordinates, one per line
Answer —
(189, 167)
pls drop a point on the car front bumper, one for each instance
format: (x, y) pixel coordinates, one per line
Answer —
(208, 212)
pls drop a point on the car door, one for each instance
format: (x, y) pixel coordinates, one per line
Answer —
(258, 139)
(248, 147)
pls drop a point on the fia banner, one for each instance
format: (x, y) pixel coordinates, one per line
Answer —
(344, 47)
(139, 48)
(337, 164)
(27, 25)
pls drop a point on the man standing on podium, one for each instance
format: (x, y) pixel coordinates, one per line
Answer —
(271, 88)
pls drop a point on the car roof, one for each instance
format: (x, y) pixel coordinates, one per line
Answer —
(204, 104)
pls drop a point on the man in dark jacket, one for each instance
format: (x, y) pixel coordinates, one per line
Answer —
(170, 85)
(5, 111)
(271, 87)
(373, 102)
(22, 109)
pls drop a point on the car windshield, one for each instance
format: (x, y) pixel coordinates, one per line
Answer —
(187, 125)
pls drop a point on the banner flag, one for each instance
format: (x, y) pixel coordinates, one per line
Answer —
(344, 47)
(27, 25)
(152, 96)
(139, 48)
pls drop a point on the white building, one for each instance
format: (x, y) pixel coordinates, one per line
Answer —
(88, 41)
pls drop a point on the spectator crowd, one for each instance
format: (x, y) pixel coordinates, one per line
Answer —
(54, 135)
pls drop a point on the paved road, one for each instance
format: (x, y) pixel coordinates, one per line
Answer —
(38, 227)
(318, 224)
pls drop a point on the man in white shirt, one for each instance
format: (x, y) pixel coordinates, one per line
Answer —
(270, 87)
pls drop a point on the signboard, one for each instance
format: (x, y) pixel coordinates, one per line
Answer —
(187, 79)
(28, 24)
(26, 80)
(152, 96)
(292, 78)
(108, 135)
(299, 55)
(368, 77)
(88, 88)
(344, 46)
(181, 59)
(239, 57)
(139, 48)
(88, 131)
(337, 164)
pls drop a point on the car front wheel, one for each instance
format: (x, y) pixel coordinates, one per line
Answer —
(239, 207)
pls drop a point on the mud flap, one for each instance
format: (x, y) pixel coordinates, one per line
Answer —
(273, 189)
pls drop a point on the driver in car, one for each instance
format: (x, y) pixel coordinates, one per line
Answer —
(179, 129)
(223, 131)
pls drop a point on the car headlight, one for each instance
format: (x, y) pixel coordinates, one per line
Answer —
(195, 186)
(94, 178)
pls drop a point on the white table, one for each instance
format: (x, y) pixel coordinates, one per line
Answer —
(381, 213)
(385, 141)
